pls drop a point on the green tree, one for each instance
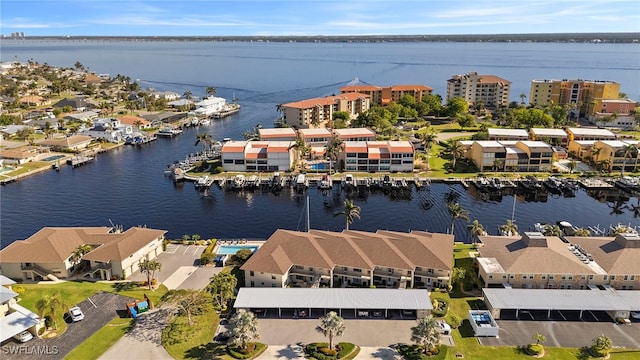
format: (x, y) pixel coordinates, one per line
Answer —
(341, 115)
(331, 325)
(242, 255)
(222, 287)
(456, 106)
(432, 105)
(630, 151)
(243, 327)
(190, 302)
(350, 212)
(522, 98)
(466, 120)
(453, 149)
(426, 333)
(51, 304)
(551, 230)
(458, 274)
(149, 267)
(572, 165)
(188, 95)
(509, 229)
(602, 344)
(205, 140)
(78, 253)
(539, 338)
(427, 139)
(476, 230)
(210, 91)
(456, 211)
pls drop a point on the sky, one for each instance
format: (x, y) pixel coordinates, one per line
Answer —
(303, 17)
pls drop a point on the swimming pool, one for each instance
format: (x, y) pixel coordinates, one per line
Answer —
(319, 166)
(54, 157)
(233, 249)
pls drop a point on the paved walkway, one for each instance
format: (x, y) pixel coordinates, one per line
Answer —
(296, 352)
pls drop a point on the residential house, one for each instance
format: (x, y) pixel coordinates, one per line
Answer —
(318, 111)
(82, 116)
(109, 129)
(20, 155)
(510, 155)
(350, 258)
(167, 95)
(317, 140)
(15, 318)
(136, 122)
(77, 104)
(48, 253)
(535, 261)
(277, 134)
(488, 155)
(385, 95)
(70, 143)
(539, 154)
(375, 156)
(157, 120)
(257, 155)
(583, 133)
(490, 90)
(34, 100)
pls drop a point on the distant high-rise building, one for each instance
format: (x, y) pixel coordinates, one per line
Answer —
(491, 90)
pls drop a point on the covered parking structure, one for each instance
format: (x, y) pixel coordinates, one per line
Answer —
(347, 302)
(557, 304)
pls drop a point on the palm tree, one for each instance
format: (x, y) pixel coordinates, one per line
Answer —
(456, 211)
(331, 325)
(188, 95)
(51, 304)
(572, 165)
(522, 97)
(426, 333)
(78, 253)
(243, 327)
(476, 229)
(552, 230)
(149, 267)
(210, 91)
(583, 232)
(350, 212)
(204, 139)
(602, 344)
(630, 151)
(498, 164)
(454, 149)
(539, 338)
(509, 229)
(428, 138)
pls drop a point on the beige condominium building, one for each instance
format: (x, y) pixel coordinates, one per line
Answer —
(257, 155)
(49, 253)
(313, 113)
(490, 90)
(384, 95)
(351, 258)
(524, 155)
(535, 261)
(375, 156)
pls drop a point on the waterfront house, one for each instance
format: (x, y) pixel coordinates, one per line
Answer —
(554, 137)
(210, 105)
(318, 111)
(499, 134)
(257, 155)
(47, 253)
(136, 122)
(536, 261)
(385, 95)
(109, 129)
(82, 116)
(376, 156)
(490, 90)
(354, 134)
(159, 119)
(277, 134)
(351, 258)
(488, 155)
(15, 318)
(68, 143)
(539, 156)
(20, 155)
(167, 95)
(524, 155)
(320, 137)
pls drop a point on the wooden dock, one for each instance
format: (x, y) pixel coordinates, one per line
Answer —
(595, 183)
(80, 160)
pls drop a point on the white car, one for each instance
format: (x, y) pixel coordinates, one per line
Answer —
(23, 336)
(445, 329)
(76, 314)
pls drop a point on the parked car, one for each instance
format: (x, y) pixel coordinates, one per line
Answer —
(76, 314)
(445, 329)
(23, 336)
(635, 315)
(221, 338)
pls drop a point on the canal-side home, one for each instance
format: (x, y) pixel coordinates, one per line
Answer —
(376, 156)
(386, 259)
(241, 156)
(48, 253)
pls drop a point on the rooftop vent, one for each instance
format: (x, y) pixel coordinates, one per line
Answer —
(628, 240)
(534, 239)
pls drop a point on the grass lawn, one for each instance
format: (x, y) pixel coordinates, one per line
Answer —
(192, 342)
(27, 167)
(101, 340)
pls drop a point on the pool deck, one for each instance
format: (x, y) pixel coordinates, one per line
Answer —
(237, 242)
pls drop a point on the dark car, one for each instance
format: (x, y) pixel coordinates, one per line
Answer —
(221, 338)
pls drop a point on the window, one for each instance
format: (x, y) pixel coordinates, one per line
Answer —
(490, 276)
(253, 284)
(251, 273)
(626, 277)
(273, 285)
(590, 277)
(273, 277)
(613, 277)
(550, 277)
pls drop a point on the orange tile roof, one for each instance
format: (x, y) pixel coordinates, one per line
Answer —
(374, 153)
(492, 79)
(410, 88)
(131, 120)
(233, 146)
(356, 88)
(329, 100)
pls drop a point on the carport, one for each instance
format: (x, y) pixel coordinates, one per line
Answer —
(562, 304)
(347, 302)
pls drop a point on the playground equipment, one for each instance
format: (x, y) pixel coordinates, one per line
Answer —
(139, 306)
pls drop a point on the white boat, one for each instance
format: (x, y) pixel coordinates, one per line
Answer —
(203, 181)
(325, 184)
(348, 181)
(238, 182)
(169, 132)
(301, 182)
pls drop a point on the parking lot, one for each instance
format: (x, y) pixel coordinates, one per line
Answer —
(98, 310)
(556, 315)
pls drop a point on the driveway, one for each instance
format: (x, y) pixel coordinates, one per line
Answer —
(98, 310)
(564, 333)
(180, 268)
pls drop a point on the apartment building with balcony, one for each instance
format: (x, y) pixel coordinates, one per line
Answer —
(277, 134)
(618, 154)
(314, 113)
(350, 258)
(246, 156)
(375, 156)
(615, 113)
(584, 133)
(354, 134)
(554, 137)
(384, 95)
(539, 156)
(488, 155)
(499, 134)
(316, 137)
(524, 155)
(490, 90)
(585, 94)
(49, 252)
(535, 261)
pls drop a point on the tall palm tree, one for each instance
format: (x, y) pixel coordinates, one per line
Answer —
(149, 267)
(78, 253)
(476, 229)
(350, 212)
(552, 230)
(188, 95)
(454, 149)
(426, 333)
(428, 138)
(331, 325)
(522, 97)
(204, 139)
(630, 151)
(51, 304)
(539, 338)
(595, 153)
(509, 229)
(456, 211)
(210, 91)
(243, 327)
